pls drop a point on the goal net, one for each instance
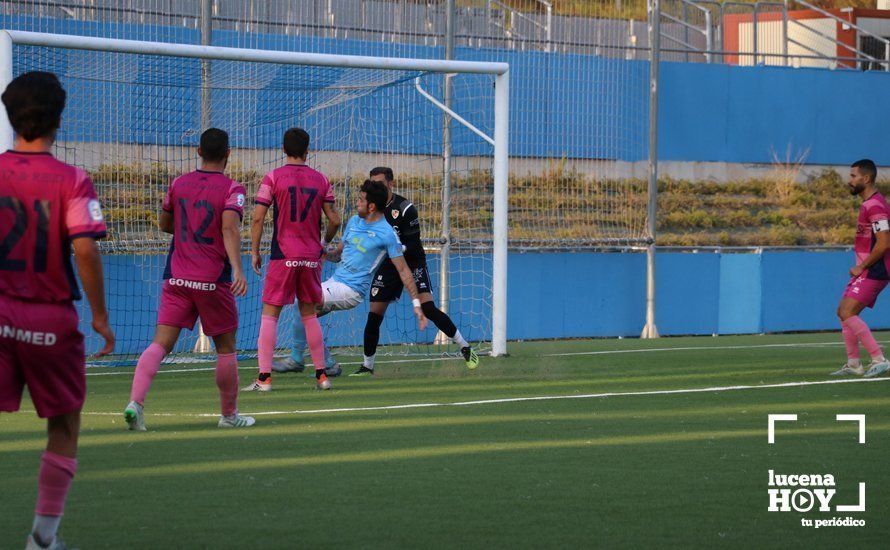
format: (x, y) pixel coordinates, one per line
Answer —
(133, 120)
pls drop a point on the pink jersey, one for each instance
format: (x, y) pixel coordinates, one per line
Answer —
(873, 218)
(197, 201)
(296, 193)
(44, 205)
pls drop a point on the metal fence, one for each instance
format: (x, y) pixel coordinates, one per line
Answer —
(791, 33)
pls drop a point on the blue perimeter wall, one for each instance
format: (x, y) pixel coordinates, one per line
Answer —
(718, 113)
(567, 295)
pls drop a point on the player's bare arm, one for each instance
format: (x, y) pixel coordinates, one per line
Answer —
(165, 222)
(231, 231)
(408, 281)
(334, 252)
(256, 235)
(89, 267)
(334, 221)
(882, 244)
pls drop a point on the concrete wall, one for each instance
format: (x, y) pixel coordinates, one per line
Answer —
(557, 295)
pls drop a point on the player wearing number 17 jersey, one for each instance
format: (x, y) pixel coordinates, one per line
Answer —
(203, 211)
(46, 206)
(298, 195)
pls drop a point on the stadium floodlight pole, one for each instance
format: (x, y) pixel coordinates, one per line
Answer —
(206, 40)
(501, 113)
(650, 330)
(445, 252)
(202, 344)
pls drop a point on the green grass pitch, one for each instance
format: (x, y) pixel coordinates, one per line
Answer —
(573, 444)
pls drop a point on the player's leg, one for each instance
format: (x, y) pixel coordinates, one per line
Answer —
(849, 307)
(294, 362)
(227, 382)
(439, 318)
(860, 293)
(310, 297)
(146, 368)
(55, 374)
(376, 312)
(266, 347)
(315, 341)
(337, 297)
(177, 310)
(386, 287)
(219, 318)
(863, 292)
(279, 289)
(57, 468)
(444, 323)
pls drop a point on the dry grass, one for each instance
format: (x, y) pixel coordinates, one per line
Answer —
(562, 208)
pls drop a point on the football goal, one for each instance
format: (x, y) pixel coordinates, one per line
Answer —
(135, 111)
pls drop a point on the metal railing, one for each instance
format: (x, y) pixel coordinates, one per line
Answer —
(692, 30)
(697, 29)
(512, 16)
(854, 50)
(689, 12)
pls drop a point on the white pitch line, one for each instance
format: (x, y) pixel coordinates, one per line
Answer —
(695, 348)
(201, 369)
(713, 389)
(568, 354)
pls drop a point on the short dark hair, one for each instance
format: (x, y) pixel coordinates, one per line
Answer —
(34, 103)
(376, 193)
(867, 167)
(296, 142)
(385, 170)
(214, 144)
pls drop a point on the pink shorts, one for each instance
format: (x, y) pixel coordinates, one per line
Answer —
(41, 347)
(864, 290)
(286, 279)
(182, 301)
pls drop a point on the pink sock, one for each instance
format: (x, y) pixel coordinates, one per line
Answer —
(316, 341)
(227, 382)
(851, 342)
(146, 369)
(860, 329)
(266, 343)
(56, 473)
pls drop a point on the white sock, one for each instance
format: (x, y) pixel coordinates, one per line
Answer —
(45, 528)
(878, 359)
(369, 361)
(853, 363)
(459, 340)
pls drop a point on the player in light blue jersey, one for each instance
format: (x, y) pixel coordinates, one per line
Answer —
(367, 240)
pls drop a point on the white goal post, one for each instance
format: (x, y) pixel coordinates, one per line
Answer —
(500, 72)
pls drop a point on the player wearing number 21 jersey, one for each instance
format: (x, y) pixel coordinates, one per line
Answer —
(203, 211)
(46, 207)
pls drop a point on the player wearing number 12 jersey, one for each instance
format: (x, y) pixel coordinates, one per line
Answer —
(298, 195)
(46, 206)
(203, 211)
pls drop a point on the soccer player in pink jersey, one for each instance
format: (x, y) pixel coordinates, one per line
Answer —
(203, 211)
(298, 194)
(46, 206)
(870, 274)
